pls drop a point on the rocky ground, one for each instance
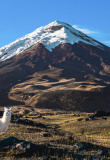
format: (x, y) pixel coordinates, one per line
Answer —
(48, 134)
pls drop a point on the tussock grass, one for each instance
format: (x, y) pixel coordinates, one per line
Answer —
(65, 130)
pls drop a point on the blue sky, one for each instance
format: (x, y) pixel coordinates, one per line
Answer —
(20, 17)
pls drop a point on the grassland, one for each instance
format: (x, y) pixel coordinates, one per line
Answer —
(61, 132)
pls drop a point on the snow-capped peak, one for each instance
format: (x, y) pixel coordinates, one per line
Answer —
(50, 36)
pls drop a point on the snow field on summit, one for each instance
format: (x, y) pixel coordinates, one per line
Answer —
(49, 37)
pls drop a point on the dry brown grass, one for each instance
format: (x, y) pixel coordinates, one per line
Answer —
(61, 126)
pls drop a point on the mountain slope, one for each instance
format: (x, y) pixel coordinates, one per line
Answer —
(55, 58)
(50, 36)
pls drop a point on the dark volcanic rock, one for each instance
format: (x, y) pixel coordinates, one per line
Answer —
(29, 122)
(101, 113)
(47, 135)
(24, 145)
(80, 145)
(79, 119)
(8, 142)
(24, 121)
(13, 142)
(41, 125)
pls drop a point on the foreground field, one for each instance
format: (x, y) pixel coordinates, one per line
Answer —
(56, 133)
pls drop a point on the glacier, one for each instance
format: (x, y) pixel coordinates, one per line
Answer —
(49, 36)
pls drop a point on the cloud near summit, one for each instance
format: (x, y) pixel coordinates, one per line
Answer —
(100, 36)
(84, 30)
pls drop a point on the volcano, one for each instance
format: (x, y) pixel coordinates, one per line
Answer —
(56, 66)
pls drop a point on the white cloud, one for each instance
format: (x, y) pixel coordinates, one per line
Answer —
(84, 30)
(107, 43)
(99, 36)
